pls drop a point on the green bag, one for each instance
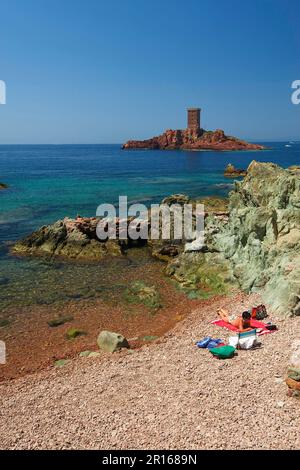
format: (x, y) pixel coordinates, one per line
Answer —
(223, 352)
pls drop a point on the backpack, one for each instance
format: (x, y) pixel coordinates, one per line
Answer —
(261, 312)
(271, 327)
(223, 352)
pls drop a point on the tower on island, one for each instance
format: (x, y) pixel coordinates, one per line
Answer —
(193, 119)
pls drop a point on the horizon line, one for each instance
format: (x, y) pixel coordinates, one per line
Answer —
(121, 143)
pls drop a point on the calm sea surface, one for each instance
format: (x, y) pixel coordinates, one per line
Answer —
(49, 182)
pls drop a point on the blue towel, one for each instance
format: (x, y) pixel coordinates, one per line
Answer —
(209, 342)
(214, 343)
(204, 342)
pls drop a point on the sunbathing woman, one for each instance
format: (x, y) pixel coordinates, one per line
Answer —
(243, 322)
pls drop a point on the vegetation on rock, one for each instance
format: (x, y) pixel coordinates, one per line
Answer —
(4, 322)
(74, 332)
(62, 362)
(139, 293)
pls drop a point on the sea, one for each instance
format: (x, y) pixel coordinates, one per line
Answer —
(49, 182)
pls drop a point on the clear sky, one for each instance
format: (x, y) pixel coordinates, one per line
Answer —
(100, 71)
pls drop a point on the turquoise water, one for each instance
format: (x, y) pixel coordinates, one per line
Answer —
(48, 182)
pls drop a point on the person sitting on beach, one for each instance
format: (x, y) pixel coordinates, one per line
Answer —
(242, 323)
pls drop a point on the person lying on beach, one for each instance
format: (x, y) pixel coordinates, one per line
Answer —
(242, 323)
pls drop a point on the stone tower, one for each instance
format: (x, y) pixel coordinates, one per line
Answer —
(193, 118)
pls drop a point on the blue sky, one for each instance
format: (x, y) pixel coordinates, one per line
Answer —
(105, 71)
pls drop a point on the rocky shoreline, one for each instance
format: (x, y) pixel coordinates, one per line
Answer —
(189, 139)
(254, 244)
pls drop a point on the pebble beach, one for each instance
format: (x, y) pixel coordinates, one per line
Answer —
(168, 394)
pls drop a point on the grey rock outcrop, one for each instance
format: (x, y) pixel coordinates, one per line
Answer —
(259, 243)
(71, 238)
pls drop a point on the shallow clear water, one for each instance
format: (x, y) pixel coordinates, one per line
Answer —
(48, 182)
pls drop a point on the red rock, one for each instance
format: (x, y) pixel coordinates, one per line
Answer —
(232, 172)
(293, 384)
(192, 140)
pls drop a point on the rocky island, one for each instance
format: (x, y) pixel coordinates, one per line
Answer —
(193, 138)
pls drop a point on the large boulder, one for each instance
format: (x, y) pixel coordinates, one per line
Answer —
(110, 342)
(293, 371)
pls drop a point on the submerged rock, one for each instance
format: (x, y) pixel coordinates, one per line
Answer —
(3, 186)
(111, 342)
(62, 362)
(59, 321)
(4, 322)
(72, 333)
(4, 280)
(139, 293)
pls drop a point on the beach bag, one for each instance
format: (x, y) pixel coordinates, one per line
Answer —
(271, 327)
(261, 312)
(245, 340)
(248, 342)
(223, 352)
